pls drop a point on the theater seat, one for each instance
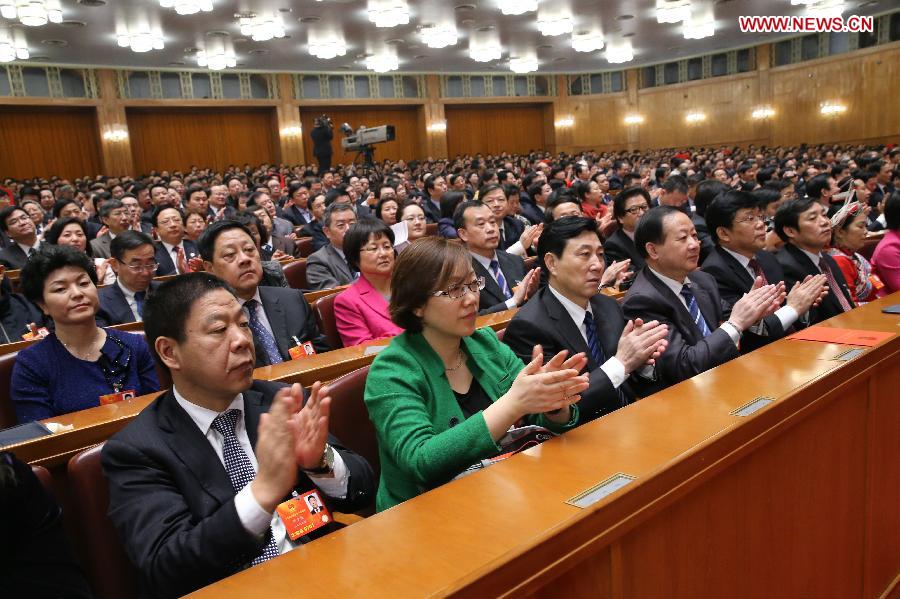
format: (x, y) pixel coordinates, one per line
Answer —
(500, 334)
(304, 247)
(109, 571)
(431, 229)
(349, 418)
(7, 413)
(295, 273)
(43, 475)
(324, 311)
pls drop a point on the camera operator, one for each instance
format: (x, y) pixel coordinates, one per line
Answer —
(322, 135)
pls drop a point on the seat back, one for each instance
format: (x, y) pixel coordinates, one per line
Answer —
(7, 413)
(109, 571)
(500, 333)
(324, 310)
(43, 475)
(349, 418)
(295, 273)
(304, 247)
(431, 229)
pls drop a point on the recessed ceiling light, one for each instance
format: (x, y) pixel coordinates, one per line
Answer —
(673, 48)
(92, 3)
(258, 51)
(545, 47)
(218, 33)
(420, 56)
(72, 23)
(309, 19)
(464, 7)
(560, 59)
(628, 34)
(176, 63)
(191, 50)
(394, 41)
(485, 28)
(285, 9)
(868, 4)
(240, 40)
(364, 56)
(57, 43)
(624, 17)
(468, 22)
(39, 57)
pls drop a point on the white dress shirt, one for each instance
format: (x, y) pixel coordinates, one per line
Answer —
(252, 516)
(171, 251)
(28, 248)
(613, 367)
(786, 315)
(129, 297)
(486, 263)
(675, 286)
(261, 313)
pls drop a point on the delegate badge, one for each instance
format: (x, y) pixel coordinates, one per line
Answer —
(303, 514)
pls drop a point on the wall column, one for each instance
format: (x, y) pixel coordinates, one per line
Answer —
(764, 89)
(290, 132)
(631, 88)
(559, 138)
(115, 143)
(433, 113)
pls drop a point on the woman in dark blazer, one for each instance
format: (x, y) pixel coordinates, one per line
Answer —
(443, 395)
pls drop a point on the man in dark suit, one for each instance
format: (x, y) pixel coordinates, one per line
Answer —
(671, 290)
(515, 238)
(328, 267)
(134, 262)
(173, 252)
(194, 480)
(297, 209)
(569, 314)
(738, 259)
(805, 228)
(322, 134)
(628, 207)
(435, 186)
(507, 285)
(280, 317)
(117, 219)
(17, 224)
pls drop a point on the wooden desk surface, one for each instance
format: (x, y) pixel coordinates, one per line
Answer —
(95, 425)
(712, 490)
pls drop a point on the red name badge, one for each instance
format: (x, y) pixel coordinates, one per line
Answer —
(303, 514)
(302, 351)
(117, 397)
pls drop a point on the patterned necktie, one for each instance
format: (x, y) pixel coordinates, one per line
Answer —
(262, 334)
(757, 270)
(694, 309)
(240, 470)
(833, 285)
(501, 280)
(597, 351)
(139, 302)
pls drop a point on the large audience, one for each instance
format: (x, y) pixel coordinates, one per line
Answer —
(711, 252)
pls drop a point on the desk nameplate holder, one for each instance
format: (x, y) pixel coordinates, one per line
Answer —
(850, 354)
(752, 407)
(601, 490)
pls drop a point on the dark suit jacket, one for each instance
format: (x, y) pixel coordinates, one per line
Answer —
(114, 307)
(513, 269)
(293, 214)
(734, 281)
(797, 265)
(706, 242)
(530, 210)
(164, 258)
(688, 352)
(512, 230)
(432, 212)
(289, 316)
(101, 246)
(619, 246)
(314, 230)
(543, 320)
(13, 257)
(172, 502)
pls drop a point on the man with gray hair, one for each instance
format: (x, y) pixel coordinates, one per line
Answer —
(328, 267)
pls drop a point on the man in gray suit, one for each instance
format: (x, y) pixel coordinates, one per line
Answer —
(328, 267)
(280, 227)
(117, 219)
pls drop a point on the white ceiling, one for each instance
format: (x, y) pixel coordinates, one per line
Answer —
(94, 42)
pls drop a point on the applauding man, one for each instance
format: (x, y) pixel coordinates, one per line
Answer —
(196, 478)
(569, 314)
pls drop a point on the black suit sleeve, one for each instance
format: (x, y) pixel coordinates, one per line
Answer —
(310, 330)
(361, 485)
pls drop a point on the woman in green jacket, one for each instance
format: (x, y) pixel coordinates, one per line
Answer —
(442, 394)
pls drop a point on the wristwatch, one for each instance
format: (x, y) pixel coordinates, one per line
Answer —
(326, 464)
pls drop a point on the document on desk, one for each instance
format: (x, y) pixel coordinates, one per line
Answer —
(843, 336)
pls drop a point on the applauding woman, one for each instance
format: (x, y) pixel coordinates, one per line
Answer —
(71, 231)
(443, 395)
(79, 365)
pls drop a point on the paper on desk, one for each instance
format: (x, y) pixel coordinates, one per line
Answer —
(56, 427)
(843, 336)
(401, 232)
(373, 349)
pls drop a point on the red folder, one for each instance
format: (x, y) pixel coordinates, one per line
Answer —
(843, 336)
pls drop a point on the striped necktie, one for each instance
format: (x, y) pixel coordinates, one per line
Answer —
(597, 351)
(757, 270)
(833, 285)
(261, 334)
(694, 309)
(501, 280)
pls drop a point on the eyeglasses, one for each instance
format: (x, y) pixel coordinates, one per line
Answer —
(374, 249)
(459, 290)
(751, 219)
(341, 225)
(414, 219)
(142, 267)
(637, 209)
(169, 221)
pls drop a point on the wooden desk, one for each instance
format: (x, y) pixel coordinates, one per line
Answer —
(798, 500)
(95, 425)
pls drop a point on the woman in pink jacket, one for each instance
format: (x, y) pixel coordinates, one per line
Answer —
(361, 311)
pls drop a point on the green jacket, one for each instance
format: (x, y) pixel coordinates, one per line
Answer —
(422, 437)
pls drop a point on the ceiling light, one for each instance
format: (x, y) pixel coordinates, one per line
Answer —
(825, 8)
(763, 112)
(634, 119)
(384, 61)
(140, 38)
(326, 45)
(517, 7)
(523, 64)
(701, 24)
(587, 41)
(831, 108)
(439, 36)
(32, 13)
(293, 131)
(437, 127)
(115, 133)
(187, 7)
(484, 46)
(801, 2)
(217, 54)
(619, 52)
(388, 13)
(262, 27)
(672, 11)
(13, 45)
(694, 117)
(554, 23)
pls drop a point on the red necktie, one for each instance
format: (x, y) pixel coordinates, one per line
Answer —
(757, 270)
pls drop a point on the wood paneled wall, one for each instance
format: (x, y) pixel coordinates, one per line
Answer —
(405, 119)
(494, 128)
(176, 138)
(46, 141)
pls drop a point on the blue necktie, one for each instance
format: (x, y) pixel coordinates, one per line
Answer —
(694, 309)
(262, 334)
(597, 351)
(139, 302)
(240, 470)
(501, 280)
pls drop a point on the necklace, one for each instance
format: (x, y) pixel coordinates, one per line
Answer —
(75, 353)
(458, 363)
